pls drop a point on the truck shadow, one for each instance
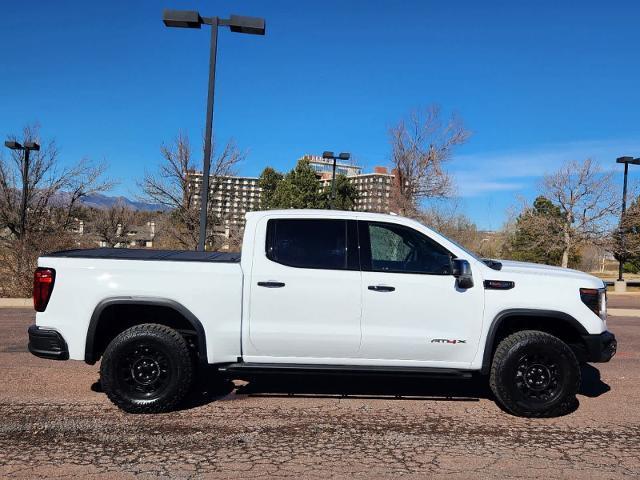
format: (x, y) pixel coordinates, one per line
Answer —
(369, 386)
(592, 385)
(385, 387)
(364, 387)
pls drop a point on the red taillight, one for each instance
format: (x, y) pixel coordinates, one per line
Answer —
(43, 280)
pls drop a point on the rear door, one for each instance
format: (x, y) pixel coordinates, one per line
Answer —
(306, 295)
(412, 307)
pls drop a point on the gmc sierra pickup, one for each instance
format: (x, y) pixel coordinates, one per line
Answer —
(321, 291)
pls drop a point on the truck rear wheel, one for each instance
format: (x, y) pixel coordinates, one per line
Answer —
(535, 374)
(147, 369)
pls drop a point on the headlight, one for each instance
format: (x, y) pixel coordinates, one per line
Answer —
(596, 300)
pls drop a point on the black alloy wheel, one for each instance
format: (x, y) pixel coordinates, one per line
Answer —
(144, 370)
(538, 377)
(535, 374)
(147, 368)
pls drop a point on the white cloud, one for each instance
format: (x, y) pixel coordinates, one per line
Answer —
(483, 173)
(470, 186)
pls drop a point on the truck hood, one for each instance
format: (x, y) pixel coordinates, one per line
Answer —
(526, 268)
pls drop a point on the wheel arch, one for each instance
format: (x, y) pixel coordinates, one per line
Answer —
(178, 313)
(509, 321)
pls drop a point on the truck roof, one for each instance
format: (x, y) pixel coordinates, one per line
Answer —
(320, 212)
(311, 212)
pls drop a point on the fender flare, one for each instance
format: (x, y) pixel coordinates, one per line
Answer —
(523, 312)
(89, 353)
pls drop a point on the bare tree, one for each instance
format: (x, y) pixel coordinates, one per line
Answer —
(172, 186)
(420, 145)
(38, 201)
(587, 201)
(112, 224)
(447, 220)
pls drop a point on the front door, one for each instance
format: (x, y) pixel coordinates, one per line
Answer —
(306, 296)
(412, 307)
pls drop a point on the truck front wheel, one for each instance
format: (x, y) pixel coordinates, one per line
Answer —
(535, 374)
(146, 369)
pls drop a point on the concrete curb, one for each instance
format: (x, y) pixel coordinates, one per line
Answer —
(623, 312)
(16, 303)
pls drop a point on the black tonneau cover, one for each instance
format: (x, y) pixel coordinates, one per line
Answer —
(148, 254)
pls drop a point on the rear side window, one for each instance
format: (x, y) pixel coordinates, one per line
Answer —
(310, 243)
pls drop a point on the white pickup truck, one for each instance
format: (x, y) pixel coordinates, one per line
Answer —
(321, 291)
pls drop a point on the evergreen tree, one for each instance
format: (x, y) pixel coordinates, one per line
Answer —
(268, 182)
(538, 235)
(346, 194)
(629, 250)
(300, 189)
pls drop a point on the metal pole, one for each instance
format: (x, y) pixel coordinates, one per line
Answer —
(624, 208)
(204, 196)
(333, 185)
(25, 187)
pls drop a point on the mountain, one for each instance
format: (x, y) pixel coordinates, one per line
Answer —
(105, 201)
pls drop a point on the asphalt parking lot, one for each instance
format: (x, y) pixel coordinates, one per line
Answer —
(54, 422)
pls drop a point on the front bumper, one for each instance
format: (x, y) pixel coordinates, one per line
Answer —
(47, 344)
(600, 347)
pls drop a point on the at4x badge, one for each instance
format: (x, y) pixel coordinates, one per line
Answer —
(447, 340)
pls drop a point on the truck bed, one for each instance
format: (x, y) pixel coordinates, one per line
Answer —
(148, 254)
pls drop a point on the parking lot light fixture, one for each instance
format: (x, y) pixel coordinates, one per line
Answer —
(330, 156)
(182, 18)
(248, 25)
(13, 145)
(238, 24)
(27, 147)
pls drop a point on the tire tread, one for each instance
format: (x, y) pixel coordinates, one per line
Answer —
(502, 393)
(179, 349)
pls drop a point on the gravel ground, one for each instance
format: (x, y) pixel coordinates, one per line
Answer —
(54, 422)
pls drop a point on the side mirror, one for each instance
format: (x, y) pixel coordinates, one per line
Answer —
(462, 271)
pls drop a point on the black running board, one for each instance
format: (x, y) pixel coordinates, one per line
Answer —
(238, 370)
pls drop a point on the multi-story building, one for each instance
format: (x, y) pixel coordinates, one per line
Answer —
(231, 197)
(323, 166)
(374, 189)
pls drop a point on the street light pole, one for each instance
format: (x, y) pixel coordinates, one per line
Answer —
(330, 156)
(333, 184)
(626, 161)
(204, 197)
(26, 148)
(238, 24)
(25, 186)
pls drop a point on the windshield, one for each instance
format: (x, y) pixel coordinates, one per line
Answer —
(465, 250)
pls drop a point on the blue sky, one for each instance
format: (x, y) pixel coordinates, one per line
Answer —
(537, 83)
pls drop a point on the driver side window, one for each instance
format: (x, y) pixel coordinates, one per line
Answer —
(399, 249)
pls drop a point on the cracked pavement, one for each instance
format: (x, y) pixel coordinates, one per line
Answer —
(54, 424)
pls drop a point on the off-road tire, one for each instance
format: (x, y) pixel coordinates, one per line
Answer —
(523, 364)
(166, 363)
